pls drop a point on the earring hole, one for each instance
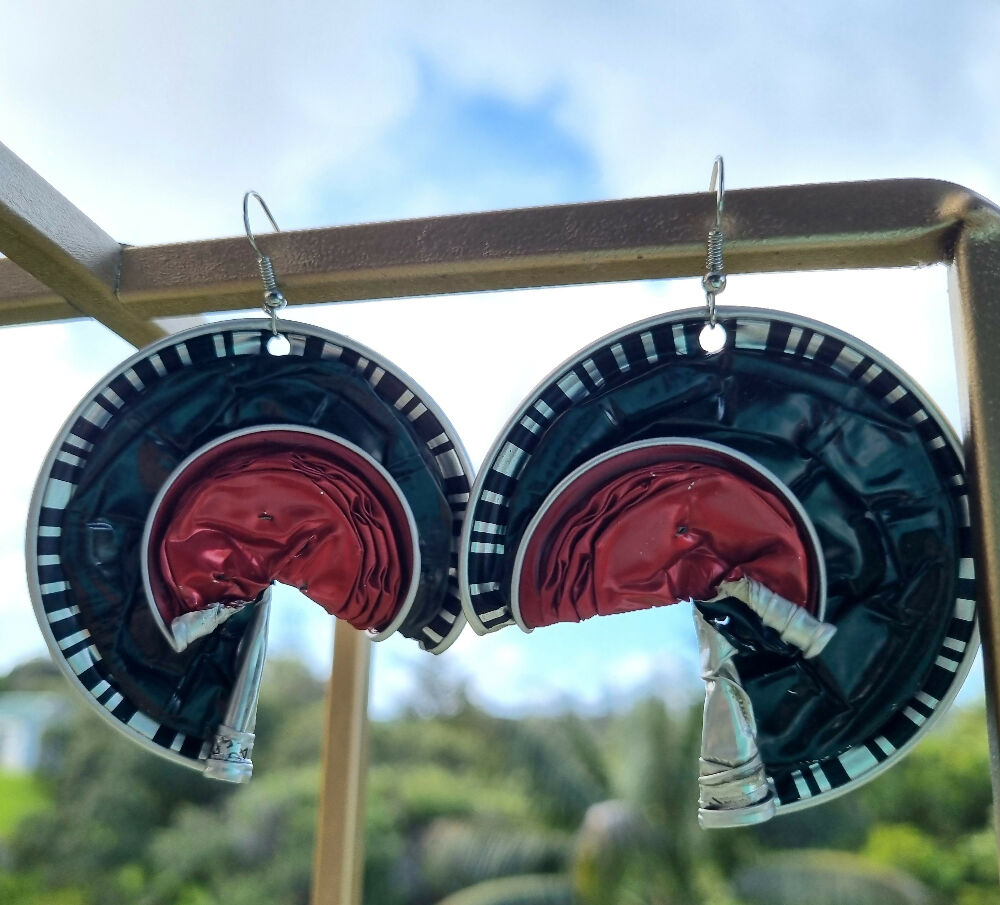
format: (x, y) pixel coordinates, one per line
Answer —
(712, 338)
(279, 345)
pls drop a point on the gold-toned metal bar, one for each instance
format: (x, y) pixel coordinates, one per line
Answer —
(893, 223)
(975, 277)
(888, 223)
(66, 252)
(338, 857)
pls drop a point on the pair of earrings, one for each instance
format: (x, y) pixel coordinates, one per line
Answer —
(792, 482)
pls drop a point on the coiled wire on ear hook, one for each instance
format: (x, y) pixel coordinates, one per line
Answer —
(714, 280)
(274, 299)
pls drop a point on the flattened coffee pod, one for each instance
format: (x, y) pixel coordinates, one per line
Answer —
(209, 395)
(863, 452)
(659, 522)
(278, 503)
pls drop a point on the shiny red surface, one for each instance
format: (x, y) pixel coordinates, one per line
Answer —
(287, 507)
(656, 535)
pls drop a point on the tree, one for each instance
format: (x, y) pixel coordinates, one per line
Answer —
(467, 808)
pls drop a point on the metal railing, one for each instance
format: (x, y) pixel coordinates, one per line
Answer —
(61, 266)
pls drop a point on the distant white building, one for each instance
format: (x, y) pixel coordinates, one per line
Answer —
(24, 717)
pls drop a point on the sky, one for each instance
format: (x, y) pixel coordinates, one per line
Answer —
(155, 121)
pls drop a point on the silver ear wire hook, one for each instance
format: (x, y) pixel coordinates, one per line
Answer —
(274, 299)
(714, 280)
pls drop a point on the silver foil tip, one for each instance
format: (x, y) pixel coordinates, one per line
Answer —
(229, 760)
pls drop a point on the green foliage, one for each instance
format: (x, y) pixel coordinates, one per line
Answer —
(656, 754)
(27, 889)
(905, 846)
(943, 785)
(462, 853)
(544, 889)
(424, 792)
(109, 797)
(611, 844)
(654, 758)
(559, 762)
(428, 776)
(21, 794)
(128, 827)
(955, 870)
(978, 852)
(931, 814)
(290, 715)
(839, 824)
(34, 675)
(826, 878)
(466, 808)
(271, 822)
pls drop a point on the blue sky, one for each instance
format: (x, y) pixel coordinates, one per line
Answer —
(155, 126)
(497, 151)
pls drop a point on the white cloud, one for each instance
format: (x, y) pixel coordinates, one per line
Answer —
(20, 638)
(154, 123)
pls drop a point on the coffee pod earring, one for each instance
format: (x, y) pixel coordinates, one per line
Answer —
(657, 522)
(795, 485)
(205, 468)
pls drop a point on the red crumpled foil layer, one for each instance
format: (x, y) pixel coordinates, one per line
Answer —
(290, 517)
(656, 536)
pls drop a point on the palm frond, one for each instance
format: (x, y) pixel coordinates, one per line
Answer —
(522, 890)
(556, 759)
(827, 878)
(457, 853)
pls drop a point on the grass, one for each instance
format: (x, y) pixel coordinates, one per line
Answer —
(21, 794)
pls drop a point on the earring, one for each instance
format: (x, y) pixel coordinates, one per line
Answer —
(793, 483)
(206, 467)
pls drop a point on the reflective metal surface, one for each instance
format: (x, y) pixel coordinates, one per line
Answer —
(229, 756)
(734, 789)
(793, 624)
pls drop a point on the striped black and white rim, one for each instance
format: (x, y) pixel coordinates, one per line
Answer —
(675, 336)
(69, 641)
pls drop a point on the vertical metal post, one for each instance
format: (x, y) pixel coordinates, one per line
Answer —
(339, 851)
(975, 297)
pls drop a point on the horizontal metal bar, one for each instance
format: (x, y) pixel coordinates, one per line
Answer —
(73, 261)
(889, 223)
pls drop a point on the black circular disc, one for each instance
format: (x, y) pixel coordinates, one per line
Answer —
(125, 439)
(877, 469)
